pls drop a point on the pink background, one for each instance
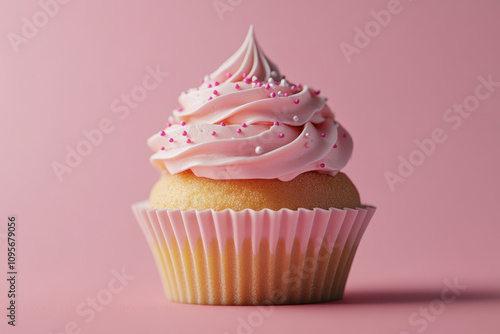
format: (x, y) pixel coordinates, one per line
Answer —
(441, 223)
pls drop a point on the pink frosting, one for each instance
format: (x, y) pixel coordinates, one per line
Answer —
(246, 121)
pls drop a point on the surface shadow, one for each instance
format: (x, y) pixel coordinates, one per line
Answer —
(414, 296)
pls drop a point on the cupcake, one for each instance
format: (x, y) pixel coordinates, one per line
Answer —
(251, 207)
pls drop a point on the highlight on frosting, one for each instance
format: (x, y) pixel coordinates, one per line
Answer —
(247, 121)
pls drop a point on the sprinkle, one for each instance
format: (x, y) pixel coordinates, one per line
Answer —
(344, 135)
(184, 133)
(267, 86)
(222, 124)
(259, 150)
(209, 98)
(322, 165)
(323, 134)
(282, 135)
(295, 118)
(254, 78)
(270, 80)
(188, 141)
(293, 88)
(162, 133)
(169, 125)
(243, 125)
(238, 131)
(285, 95)
(209, 85)
(183, 123)
(283, 82)
(317, 91)
(215, 92)
(259, 84)
(243, 75)
(280, 93)
(276, 123)
(236, 86)
(228, 75)
(299, 86)
(216, 83)
(273, 94)
(247, 80)
(273, 73)
(296, 101)
(162, 148)
(213, 133)
(180, 109)
(307, 135)
(171, 140)
(201, 81)
(335, 146)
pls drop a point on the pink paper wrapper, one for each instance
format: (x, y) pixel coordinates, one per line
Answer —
(253, 257)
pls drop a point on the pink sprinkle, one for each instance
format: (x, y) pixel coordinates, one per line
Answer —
(171, 140)
(184, 133)
(183, 123)
(162, 133)
(228, 75)
(236, 86)
(322, 165)
(317, 92)
(169, 124)
(296, 101)
(162, 148)
(243, 75)
(266, 86)
(276, 83)
(215, 92)
(238, 131)
(201, 81)
(209, 85)
(180, 109)
(323, 134)
(282, 135)
(188, 140)
(216, 83)
(335, 146)
(223, 124)
(243, 125)
(276, 123)
(259, 84)
(209, 98)
(293, 88)
(299, 86)
(213, 133)
(344, 135)
(247, 80)
(273, 94)
(285, 95)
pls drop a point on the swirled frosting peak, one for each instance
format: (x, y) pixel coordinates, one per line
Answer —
(247, 121)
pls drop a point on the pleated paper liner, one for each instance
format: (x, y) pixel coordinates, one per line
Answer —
(253, 257)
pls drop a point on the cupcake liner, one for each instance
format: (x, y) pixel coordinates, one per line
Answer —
(253, 257)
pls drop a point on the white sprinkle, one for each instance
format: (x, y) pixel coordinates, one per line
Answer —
(280, 94)
(273, 73)
(270, 80)
(295, 118)
(307, 135)
(259, 150)
(283, 82)
(254, 78)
